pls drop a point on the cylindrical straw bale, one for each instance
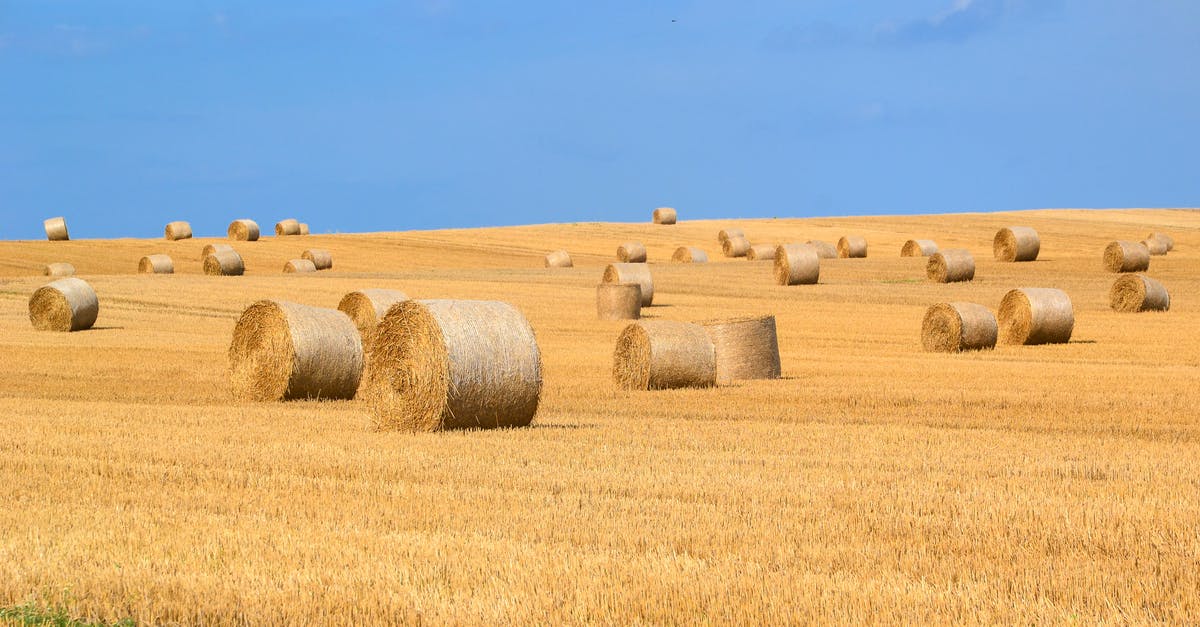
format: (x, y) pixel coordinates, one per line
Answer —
(955, 327)
(744, 348)
(224, 263)
(56, 229)
(797, 264)
(284, 351)
(1126, 257)
(287, 227)
(559, 259)
(618, 301)
(64, 305)
(950, 266)
(1036, 315)
(178, 230)
(1016, 243)
(299, 265)
(852, 247)
(761, 252)
(366, 308)
(632, 273)
(322, 259)
(918, 248)
(156, 264)
(825, 250)
(664, 354)
(303, 228)
(453, 364)
(689, 254)
(1138, 292)
(1155, 246)
(725, 234)
(59, 269)
(1164, 238)
(664, 215)
(214, 248)
(243, 230)
(735, 247)
(631, 252)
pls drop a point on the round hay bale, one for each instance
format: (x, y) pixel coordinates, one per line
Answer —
(284, 351)
(956, 327)
(156, 264)
(852, 247)
(58, 269)
(299, 265)
(761, 252)
(662, 355)
(631, 252)
(1155, 247)
(178, 230)
(453, 364)
(64, 305)
(725, 234)
(744, 348)
(797, 264)
(825, 250)
(287, 227)
(1016, 243)
(210, 249)
(664, 215)
(1036, 315)
(1164, 238)
(224, 263)
(559, 259)
(303, 228)
(951, 266)
(618, 301)
(366, 308)
(632, 273)
(735, 247)
(243, 230)
(689, 254)
(322, 259)
(918, 248)
(1138, 292)
(1126, 257)
(56, 229)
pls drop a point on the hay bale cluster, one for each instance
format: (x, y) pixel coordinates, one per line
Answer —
(664, 215)
(797, 264)
(243, 230)
(1126, 257)
(64, 305)
(178, 230)
(689, 254)
(638, 273)
(1016, 243)
(950, 266)
(664, 354)
(559, 259)
(1036, 315)
(1138, 292)
(156, 264)
(956, 327)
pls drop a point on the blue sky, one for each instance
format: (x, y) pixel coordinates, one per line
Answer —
(441, 113)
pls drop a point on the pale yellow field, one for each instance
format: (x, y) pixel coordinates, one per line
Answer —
(874, 483)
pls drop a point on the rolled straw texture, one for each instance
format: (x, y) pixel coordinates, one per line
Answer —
(64, 305)
(631, 252)
(1155, 246)
(287, 227)
(735, 247)
(156, 264)
(725, 234)
(56, 229)
(243, 230)
(299, 265)
(852, 247)
(955, 327)
(284, 351)
(1126, 257)
(1138, 292)
(664, 354)
(453, 364)
(210, 249)
(1016, 243)
(797, 264)
(322, 259)
(59, 269)
(366, 308)
(632, 273)
(618, 301)
(664, 215)
(1036, 315)
(559, 259)
(825, 250)
(918, 248)
(761, 252)
(178, 230)
(224, 263)
(1164, 238)
(303, 228)
(950, 266)
(689, 254)
(744, 348)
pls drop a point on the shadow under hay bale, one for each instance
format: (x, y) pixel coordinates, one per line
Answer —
(243, 230)
(663, 354)
(178, 230)
(322, 259)
(366, 308)
(1016, 243)
(156, 264)
(631, 252)
(956, 327)
(664, 215)
(58, 269)
(64, 305)
(299, 265)
(797, 264)
(918, 248)
(950, 266)
(1138, 292)
(224, 263)
(735, 247)
(559, 259)
(689, 254)
(1036, 315)
(744, 348)
(761, 252)
(1126, 257)
(852, 247)
(287, 227)
(56, 229)
(618, 301)
(632, 273)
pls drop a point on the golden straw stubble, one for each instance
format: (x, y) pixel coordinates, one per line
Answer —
(664, 354)
(1123, 256)
(744, 348)
(955, 327)
(64, 305)
(1138, 292)
(1036, 315)
(950, 266)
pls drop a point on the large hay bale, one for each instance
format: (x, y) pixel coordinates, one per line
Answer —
(825, 250)
(287, 227)
(1155, 247)
(689, 254)
(56, 229)
(1164, 238)
(664, 354)
(303, 228)
(797, 264)
(632, 273)
(1016, 243)
(178, 230)
(284, 351)
(618, 301)
(918, 248)
(1036, 315)
(322, 259)
(735, 247)
(210, 249)
(64, 305)
(299, 265)
(664, 215)
(1123, 256)
(1138, 292)
(744, 348)
(725, 234)
(224, 263)
(559, 259)
(950, 266)
(366, 308)
(955, 327)
(761, 252)
(59, 269)
(156, 264)
(243, 230)
(631, 252)
(852, 247)
(453, 364)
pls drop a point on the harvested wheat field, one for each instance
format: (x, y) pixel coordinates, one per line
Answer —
(873, 482)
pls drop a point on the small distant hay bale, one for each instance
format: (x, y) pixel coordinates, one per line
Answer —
(825, 250)
(1016, 243)
(64, 305)
(618, 301)
(852, 247)
(224, 263)
(951, 266)
(284, 351)
(725, 235)
(744, 348)
(56, 229)
(178, 230)
(59, 269)
(1121, 256)
(1164, 238)
(303, 228)
(156, 264)
(287, 227)
(735, 247)
(689, 254)
(322, 259)
(761, 252)
(664, 215)
(632, 273)
(214, 248)
(453, 364)
(243, 230)
(1036, 315)
(956, 327)
(918, 248)
(663, 355)
(1155, 247)
(631, 252)
(366, 308)
(299, 265)
(797, 264)
(1138, 292)
(559, 259)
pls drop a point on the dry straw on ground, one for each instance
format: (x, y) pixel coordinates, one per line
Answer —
(285, 351)
(689, 254)
(210, 249)
(918, 248)
(744, 348)
(955, 327)
(453, 364)
(1016, 243)
(559, 259)
(725, 235)
(1036, 315)
(224, 263)
(951, 266)
(299, 265)
(735, 247)
(631, 252)
(156, 264)
(58, 269)
(632, 273)
(366, 308)
(825, 250)
(287, 227)
(178, 230)
(1123, 256)
(243, 230)
(618, 301)
(56, 229)
(1155, 246)
(797, 264)
(664, 354)
(322, 259)
(1138, 292)
(1164, 238)
(761, 252)
(64, 305)
(852, 247)
(303, 228)
(665, 215)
